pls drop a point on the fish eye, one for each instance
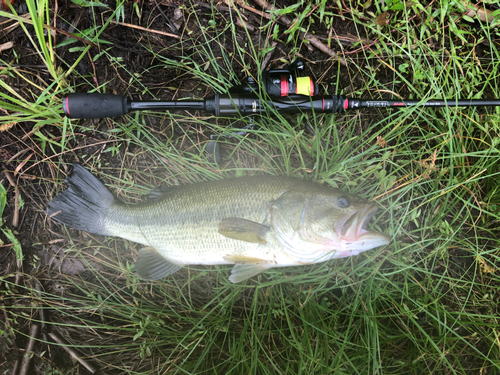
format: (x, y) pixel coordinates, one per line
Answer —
(343, 202)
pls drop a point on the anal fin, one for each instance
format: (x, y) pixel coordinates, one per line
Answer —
(150, 265)
(242, 272)
(245, 267)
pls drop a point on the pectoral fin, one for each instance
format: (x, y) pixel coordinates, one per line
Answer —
(243, 230)
(246, 267)
(150, 265)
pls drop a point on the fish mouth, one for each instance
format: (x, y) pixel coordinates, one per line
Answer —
(355, 228)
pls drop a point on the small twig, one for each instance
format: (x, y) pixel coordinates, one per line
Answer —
(6, 46)
(346, 39)
(11, 180)
(20, 153)
(15, 218)
(22, 164)
(304, 35)
(41, 310)
(8, 29)
(245, 25)
(50, 27)
(144, 29)
(25, 364)
(93, 67)
(84, 41)
(169, 21)
(71, 352)
(14, 368)
(7, 324)
(220, 8)
(269, 55)
(253, 10)
(6, 317)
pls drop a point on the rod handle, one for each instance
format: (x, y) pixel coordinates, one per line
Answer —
(95, 105)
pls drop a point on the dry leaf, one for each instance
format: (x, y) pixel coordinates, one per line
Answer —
(245, 25)
(6, 5)
(63, 262)
(6, 46)
(7, 126)
(475, 10)
(18, 168)
(382, 19)
(485, 267)
(381, 141)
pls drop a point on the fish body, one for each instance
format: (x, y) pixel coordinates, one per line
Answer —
(255, 222)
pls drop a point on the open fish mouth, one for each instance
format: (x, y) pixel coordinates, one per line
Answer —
(356, 225)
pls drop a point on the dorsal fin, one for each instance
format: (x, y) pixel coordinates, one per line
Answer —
(159, 191)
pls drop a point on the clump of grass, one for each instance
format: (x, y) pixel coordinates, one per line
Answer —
(426, 303)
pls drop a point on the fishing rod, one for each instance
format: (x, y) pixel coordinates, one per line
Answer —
(286, 93)
(96, 105)
(289, 93)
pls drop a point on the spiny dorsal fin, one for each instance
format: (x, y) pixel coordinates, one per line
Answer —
(150, 265)
(243, 230)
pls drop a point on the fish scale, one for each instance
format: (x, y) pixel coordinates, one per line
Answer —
(256, 222)
(182, 224)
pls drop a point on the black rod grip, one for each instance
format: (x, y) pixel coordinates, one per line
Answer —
(95, 105)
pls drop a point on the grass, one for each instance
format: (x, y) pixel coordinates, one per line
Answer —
(426, 303)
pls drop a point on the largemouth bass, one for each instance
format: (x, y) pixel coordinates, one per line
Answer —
(256, 223)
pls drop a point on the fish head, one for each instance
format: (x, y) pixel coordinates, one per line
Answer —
(325, 224)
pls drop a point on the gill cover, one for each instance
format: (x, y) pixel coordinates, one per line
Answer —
(312, 227)
(301, 225)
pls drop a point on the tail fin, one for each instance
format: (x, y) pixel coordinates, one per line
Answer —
(84, 204)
